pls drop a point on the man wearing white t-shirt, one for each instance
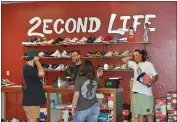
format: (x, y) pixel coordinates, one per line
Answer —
(144, 76)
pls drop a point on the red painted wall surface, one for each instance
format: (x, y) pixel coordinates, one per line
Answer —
(15, 25)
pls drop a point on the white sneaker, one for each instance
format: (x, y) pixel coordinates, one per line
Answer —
(125, 53)
(62, 67)
(106, 66)
(55, 54)
(109, 54)
(124, 66)
(64, 54)
(50, 41)
(82, 41)
(59, 55)
(58, 68)
(74, 40)
(50, 67)
(99, 39)
(66, 41)
(41, 54)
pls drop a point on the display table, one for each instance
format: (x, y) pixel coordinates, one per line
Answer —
(116, 94)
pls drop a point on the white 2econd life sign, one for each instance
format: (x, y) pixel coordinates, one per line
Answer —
(81, 25)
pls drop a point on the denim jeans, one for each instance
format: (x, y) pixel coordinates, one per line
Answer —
(91, 114)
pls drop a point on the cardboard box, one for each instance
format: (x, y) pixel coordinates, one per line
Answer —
(172, 101)
(161, 101)
(110, 102)
(161, 116)
(172, 107)
(172, 94)
(172, 119)
(172, 112)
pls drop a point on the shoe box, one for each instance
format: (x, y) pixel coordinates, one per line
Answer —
(110, 101)
(161, 109)
(171, 98)
(172, 106)
(172, 119)
(161, 116)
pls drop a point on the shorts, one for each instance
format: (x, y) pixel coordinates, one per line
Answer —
(32, 112)
(142, 104)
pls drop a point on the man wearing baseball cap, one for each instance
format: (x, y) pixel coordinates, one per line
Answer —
(33, 93)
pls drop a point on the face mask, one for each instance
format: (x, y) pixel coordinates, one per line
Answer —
(138, 58)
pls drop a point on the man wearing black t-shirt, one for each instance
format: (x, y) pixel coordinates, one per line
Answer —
(33, 93)
(72, 70)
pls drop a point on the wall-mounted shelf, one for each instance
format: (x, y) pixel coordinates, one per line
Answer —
(87, 44)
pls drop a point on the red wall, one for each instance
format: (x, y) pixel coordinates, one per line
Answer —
(15, 25)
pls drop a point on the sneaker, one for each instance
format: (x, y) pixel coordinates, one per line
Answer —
(41, 54)
(48, 54)
(28, 42)
(82, 41)
(58, 40)
(54, 66)
(62, 67)
(44, 40)
(45, 67)
(117, 67)
(106, 67)
(37, 41)
(66, 41)
(125, 53)
(107, 39)
(50, 41)
(64, 54)
(55, 54)
(116, 53)
(109, 54)
(59, 68)
(111, 66)
(91, 40)
(50, 67)
(89, 54)
(6, 82)
(114, 39)
(99, 39)
(124, 66)
(96, 54)
(122, 40)
(74, 40)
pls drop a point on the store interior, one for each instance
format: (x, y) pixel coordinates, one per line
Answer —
(55, 22)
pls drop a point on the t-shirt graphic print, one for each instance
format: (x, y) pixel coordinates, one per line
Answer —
(88, 89)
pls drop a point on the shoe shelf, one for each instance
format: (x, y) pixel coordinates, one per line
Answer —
(83, 57)
(50, 45)
(119, 70)
(112, 70)
(53, 70)
(66, 107)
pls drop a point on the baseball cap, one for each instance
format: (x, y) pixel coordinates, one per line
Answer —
(31, 53)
